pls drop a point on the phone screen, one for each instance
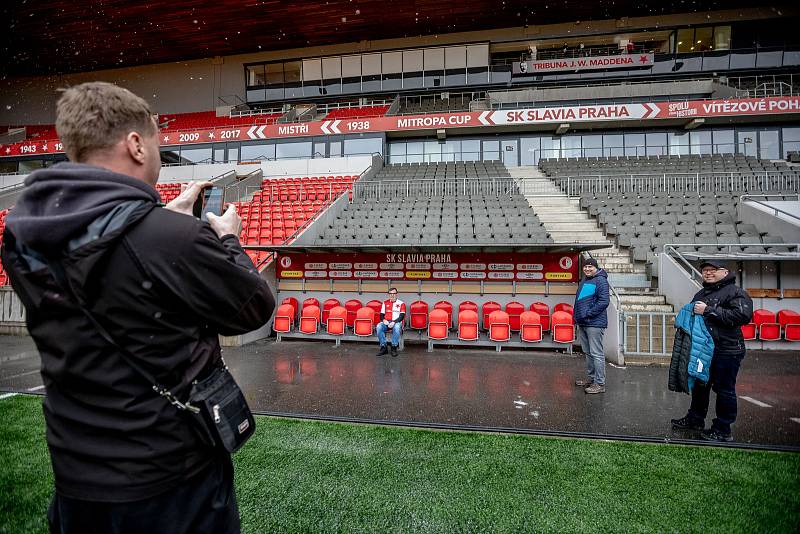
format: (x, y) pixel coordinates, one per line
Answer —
(213, 199)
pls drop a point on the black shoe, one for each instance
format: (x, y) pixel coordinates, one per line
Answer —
(383, 351)
(687, 423)
(394, 350)
(715, 435)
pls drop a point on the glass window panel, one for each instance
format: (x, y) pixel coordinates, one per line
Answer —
(768, 147)
(571, 146)
(312, 88)
(613, 145)
(724, 142)
(701, 142)
(260, 151)
(685, 40)
(470, 149)
(256, 95)
(771, 58)
(391, 62)
(397, 149)
(415, 158)
(634, 144)
(256, 75)
(312, 69)
(415, 147)
(592, 146)
(294, 149)
(433, 59)
(529, 151)
(233, 154)
(371, 83)
(656, 144)
(790, 147)
(451, 146)
(367, 145)
(370, 64)
(196, 154)
(412, 61)
(293, 74)
(319, 149)
(722, 38)
(433, 151)
(455, 57)
(551, 148)
(478, 55)
(678, 143)
(335, 149)
(491, 151)
(501, 73)
(219, 154)
(392, 81)
(703, 39)
(274, 73)
(746, 142)
(331, 68)
(743, 60)
(351, 66)
(791, 134)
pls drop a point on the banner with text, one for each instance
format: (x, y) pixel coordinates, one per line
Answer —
(526, 267)
(601, 113)
(624, 61)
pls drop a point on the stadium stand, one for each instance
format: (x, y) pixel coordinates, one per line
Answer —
(209, 119)
(357, 113)
(434, 104)
(169, 191)
(412, 214)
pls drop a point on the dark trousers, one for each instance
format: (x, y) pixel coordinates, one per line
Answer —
(722, 380)
(204, 503)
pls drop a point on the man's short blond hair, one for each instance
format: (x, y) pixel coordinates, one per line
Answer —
(94, 116)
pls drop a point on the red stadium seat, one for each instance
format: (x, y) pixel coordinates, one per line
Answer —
(486, 310)
(468, 325)
(352, 306)
(327, 306)
(499, 326)
(790, 324)
(749, 331)
(310, 302)
(337, 321)
(376, 306)
(293, 302)
(364, 321)
(284, 319)
(467, 305)
(514, 310)
(563, 327)
(446, 306)
(768, 327)
(563, 306)
(792, 332)
(419, 315)
(530, 327)
(544, 313)
(438, 324)
(309, 320)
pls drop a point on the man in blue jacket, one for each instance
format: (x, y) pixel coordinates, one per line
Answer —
(725, 308)
(591, 302)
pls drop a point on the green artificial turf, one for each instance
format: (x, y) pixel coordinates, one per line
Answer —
(299, 476)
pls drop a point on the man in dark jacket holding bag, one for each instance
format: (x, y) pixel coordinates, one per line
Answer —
(163, 285)
(725, 307)
(591, 302)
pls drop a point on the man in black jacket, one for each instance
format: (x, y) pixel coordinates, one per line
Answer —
(725, 309)
(164, 285)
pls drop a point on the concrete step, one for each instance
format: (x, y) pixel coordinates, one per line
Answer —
(568, 218)
(632, 279)
(648, 308)
(654, 300)
(625, 270)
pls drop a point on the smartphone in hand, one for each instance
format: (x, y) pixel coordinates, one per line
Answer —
(211, 199)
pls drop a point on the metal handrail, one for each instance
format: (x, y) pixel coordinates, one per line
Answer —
(671, 249)
(749, 198)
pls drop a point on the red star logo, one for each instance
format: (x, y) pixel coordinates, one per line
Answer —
(44, 147)
(643, 59)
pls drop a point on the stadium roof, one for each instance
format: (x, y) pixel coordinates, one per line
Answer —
(62, 36)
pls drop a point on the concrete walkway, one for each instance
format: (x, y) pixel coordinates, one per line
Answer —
(531, 390)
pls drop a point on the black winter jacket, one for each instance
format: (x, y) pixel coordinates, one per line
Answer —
(729, 308)
(164, 286)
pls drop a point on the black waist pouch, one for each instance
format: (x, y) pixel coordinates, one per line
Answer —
(223, 410)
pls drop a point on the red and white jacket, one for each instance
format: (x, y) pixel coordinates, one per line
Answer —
(393, 311)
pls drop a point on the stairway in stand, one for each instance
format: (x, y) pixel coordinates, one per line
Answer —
(566, 222)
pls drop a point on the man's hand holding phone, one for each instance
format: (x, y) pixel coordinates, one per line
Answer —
(184, 202)
(229, 223)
